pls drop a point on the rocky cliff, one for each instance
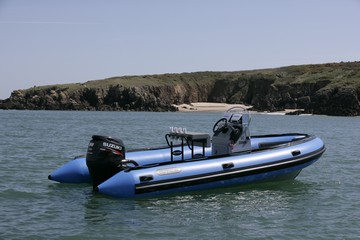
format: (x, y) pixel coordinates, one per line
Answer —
(331, 89)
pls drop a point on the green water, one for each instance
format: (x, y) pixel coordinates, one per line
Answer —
(322, 203)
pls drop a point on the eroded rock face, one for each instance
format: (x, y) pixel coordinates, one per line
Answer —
(263, 92)
(337, 101)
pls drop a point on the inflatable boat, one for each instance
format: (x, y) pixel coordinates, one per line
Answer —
(192, 161)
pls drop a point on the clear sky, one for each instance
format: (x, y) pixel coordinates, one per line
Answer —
(69, 41)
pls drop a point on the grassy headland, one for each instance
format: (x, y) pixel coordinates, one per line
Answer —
(332, 88)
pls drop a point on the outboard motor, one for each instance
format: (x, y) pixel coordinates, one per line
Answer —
(103, 158)
(231, 133)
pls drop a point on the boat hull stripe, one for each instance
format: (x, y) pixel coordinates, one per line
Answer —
(226, 174)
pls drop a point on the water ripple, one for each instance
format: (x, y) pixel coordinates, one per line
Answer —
(321, 204)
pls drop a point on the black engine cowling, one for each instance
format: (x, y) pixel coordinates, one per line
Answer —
(103, 158)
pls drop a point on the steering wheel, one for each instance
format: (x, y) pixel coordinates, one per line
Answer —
(220, 124)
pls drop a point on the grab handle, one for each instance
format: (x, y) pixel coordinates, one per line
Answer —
(296, 153)
(228, 165)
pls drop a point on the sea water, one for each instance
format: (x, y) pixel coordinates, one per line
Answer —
(322, 203)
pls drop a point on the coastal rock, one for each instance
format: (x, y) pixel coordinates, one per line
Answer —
(330, 89)
(337, 101)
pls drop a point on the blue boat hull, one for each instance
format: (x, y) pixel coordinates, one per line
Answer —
(272, 157)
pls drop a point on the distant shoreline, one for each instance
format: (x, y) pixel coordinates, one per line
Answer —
(321, 89)
(207, 107)
(222, 107)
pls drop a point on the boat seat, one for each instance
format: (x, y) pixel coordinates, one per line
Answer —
(191, 138)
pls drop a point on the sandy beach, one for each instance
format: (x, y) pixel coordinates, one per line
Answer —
(207, 107)
(222, 107)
